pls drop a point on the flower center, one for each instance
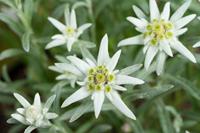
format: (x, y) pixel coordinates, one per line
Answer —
(159, 30)
(70, 31)
(32, 113)
(99, 78)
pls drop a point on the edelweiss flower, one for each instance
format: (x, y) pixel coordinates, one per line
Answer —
(198, 43)
(98, 78)
(161, 33)
(35, 115)
(70, 32)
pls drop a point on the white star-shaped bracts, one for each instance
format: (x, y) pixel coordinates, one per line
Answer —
(160, 34)
(99, 79)
(35, 115)
(70, 31)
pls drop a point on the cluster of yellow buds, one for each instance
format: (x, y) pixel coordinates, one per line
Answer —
(70, 31)
(159, 30)
(98, 78)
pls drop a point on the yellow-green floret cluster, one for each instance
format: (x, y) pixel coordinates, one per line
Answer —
(70, 31)
(99, 78)
(159, 30)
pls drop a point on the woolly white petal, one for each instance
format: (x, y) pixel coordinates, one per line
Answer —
(130, 69)
(82, 28)
(90, 62)
(29, 129)
(139, 13)
(154, 11)
(181, 31)
(136, 40)
(160, 63)
(196, 45)
(166, 47)
(67, 16)
(80, 64)
(70, 42)
(180, 11)
(61, 27)
(21, 110)
(177, 45)
(19, 118)
(55, 43)
(49, 102)
(103, 55)
(22, 100)
(73, 22)
(151, 53)
(58, 37)
(124, 79)
(137, 22)
(76, 96)
(145, 48)
(37, 101)
(65, 67)
(166, 11)
(51, 115)
(119, 88)
(184, 21)
(119, 104)
(98, 102)
(113, 61)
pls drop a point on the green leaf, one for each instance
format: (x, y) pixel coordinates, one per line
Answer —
(102, 128)
(79, 4)
(70, 113)
(8, 3)
(164, 117)
(13, 24)
(86, 44)
(86, 54)
(187, 85)
(178, 121)
(5, 74)
(85, 127)
(137, 127)
(26, 41)
(80, 111)
(10, 53)
(130, 69)
(149, 92)
(28, 9)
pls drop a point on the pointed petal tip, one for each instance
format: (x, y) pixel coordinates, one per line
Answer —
(158, 73)
(119, 51)
(16, 95)
(105, 36)
(119, 44)
(129, 18)
(133, 117)
(63, 105)
(96, 116)
(50, 19)
(37, 94)
(194, 60)
(141, 82)
(47, 47)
